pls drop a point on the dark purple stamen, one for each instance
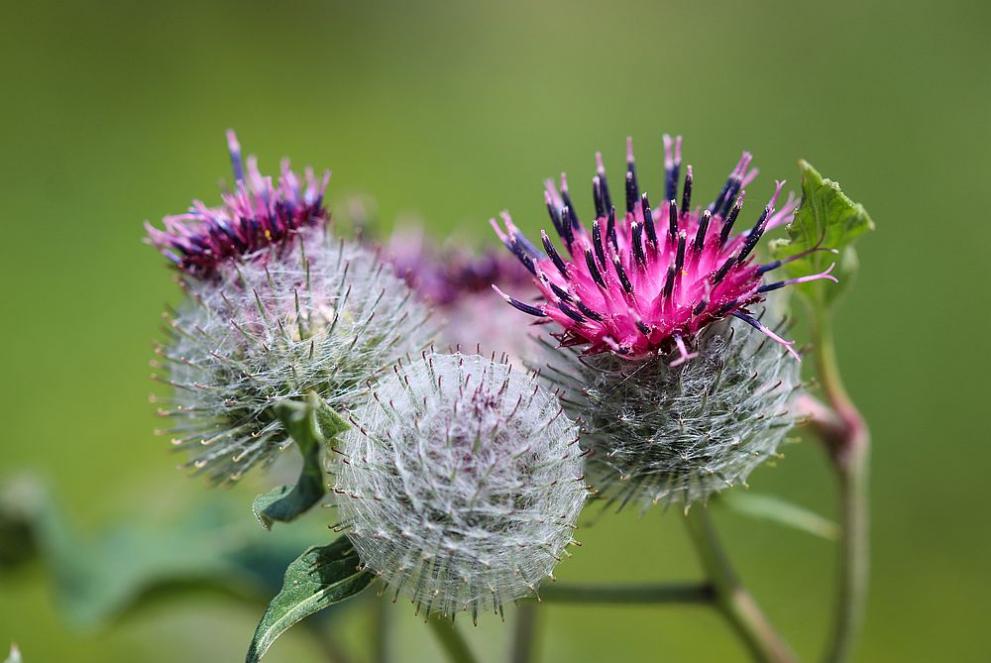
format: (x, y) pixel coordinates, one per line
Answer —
(700, 306)
(730, 197)
(772, 286)
(750, 320)
(724, 270)
(679, 261)
(600, 203)
(648, 219)
(611, 229)
(638, 253)
(555, 215)
(527, 308)
(593, 270)
(673, 219)
(672, 175)
(560, 292)
(570, 312)
(600, 252)
(566, 199)
(754, 235)
(632, 193)
(729, 221)
(771, 266)
(553, 254)
(644, 329)
(527, 246)
(567, 229)
(703, 228)
(588, 312)
(686, 194)
(669, 283)
(604, 185)
(621, 273)
(520, 252)
(720, 200)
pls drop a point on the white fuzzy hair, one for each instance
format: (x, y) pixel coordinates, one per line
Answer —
(460, 483)
(317, 314)
(677, 435)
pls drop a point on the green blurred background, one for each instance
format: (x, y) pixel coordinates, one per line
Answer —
(114, 113)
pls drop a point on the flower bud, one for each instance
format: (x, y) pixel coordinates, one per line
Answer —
(460, 482)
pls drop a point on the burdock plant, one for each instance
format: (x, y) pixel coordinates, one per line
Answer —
(458, 479)
(651, 306)
(678, 402)
(282, 327)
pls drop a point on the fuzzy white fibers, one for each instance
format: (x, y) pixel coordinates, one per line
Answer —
(318, 314)
(666, 434)
(460, 483)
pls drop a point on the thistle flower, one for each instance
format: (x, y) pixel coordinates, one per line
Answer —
(650, 280)
(285, 312)
(457, 282)
(256, 215)
(460, 482)
(443, 276)
(676, 434)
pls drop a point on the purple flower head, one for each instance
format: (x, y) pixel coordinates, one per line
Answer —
(258, 214)
(445, 276)
(648, 281)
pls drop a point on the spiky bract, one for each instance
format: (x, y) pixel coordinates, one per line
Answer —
(676, 434)
(460, 482)
(326, 317)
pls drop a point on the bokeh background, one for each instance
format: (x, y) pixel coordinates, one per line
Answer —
(114, 113)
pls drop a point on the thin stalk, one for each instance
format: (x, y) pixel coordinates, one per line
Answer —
(524, 633)
(684, 592)
(737, 605)
(451, 640)
(848, 442)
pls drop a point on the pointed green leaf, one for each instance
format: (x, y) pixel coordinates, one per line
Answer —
(827, 219)
(780, 511)
(322, 576)
(15, 655)
(118, 569)
(310, 423)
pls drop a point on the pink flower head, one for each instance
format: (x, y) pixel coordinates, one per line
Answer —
(446, 275)
(256, 215)
(648, 281)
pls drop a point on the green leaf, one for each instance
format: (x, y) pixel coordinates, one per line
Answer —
(310, 423)
(208, 546)
(827, 219)
(322, 576)
(780, 511)
(15, 655)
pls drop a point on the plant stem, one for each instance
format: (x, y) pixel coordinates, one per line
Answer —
(847, 440)
(524, 633)
(451, 640)
(686, 592)
(735, 602)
